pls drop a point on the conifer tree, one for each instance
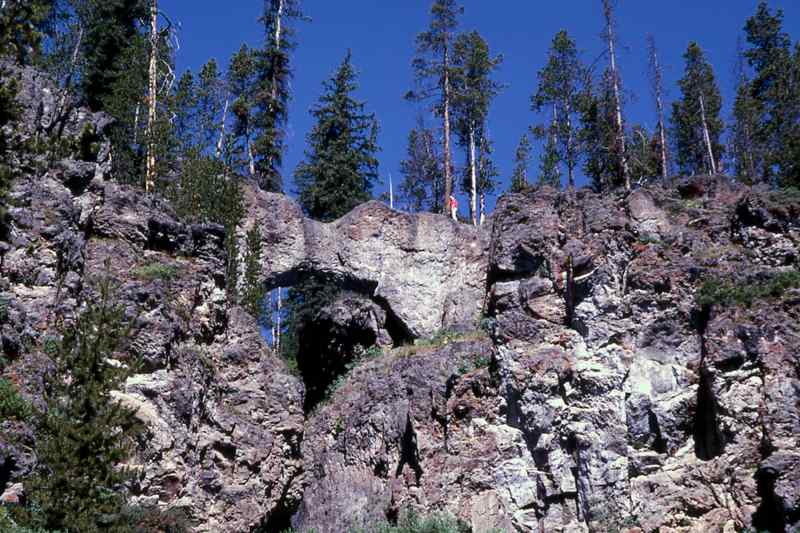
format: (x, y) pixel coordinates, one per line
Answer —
(657, 88)
(522, 158)
(422, 172)
(111, 28)
(562, 82)
(22, 27)
(599, 138)
(550, 158)
(85, 434)
(210, 101)
(774, 95)
(272, 92)
(473, 93)
(433, 75)
(340, 166)
(644, 155)
(242, 85)
(696, 121)
(746, 152)
(487, 174)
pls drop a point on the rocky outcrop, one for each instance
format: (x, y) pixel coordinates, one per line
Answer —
(641, 369)
(428, 271)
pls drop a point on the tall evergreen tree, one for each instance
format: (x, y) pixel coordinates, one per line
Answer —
(657, 89)
(85, 434)
(774, 93)
(242, 85)
(599, 138)
(433, 74)
(522, 159)
(110, 29)
(422, 172)
(696, 122)
(746, 152)
(562, 82)
(473, 93)
(487, 174)
(23, 26)
(272, 93)
(615, 82)
(340, 165)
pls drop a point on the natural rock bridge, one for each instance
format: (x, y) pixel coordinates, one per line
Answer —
(427, 271)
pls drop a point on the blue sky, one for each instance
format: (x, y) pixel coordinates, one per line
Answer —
(381, 35)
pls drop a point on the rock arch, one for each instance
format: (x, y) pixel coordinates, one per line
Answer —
(425, 269)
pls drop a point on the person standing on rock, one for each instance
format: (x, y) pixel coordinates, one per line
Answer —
(453, 203)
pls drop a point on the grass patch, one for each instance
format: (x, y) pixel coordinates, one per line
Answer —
(156, 271)
(413, 523)
(12, 404)
(730, 293)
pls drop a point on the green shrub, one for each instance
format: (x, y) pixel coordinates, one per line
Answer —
(155, 271)
(12, 405)
(413, 523)
(730, 293)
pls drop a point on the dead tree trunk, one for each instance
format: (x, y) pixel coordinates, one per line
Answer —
(152, 101)
(448, 178)
(707, 137)
(615, 81)
(221, 139)
(658, 90)
(473, 174)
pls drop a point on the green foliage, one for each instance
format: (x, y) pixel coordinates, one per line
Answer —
(111, 28)
(699, 91)
(599, 137)
(728, 293)
(562, 83)
(12, 405)
(253, 292)
(340, 166)
(8, 525)
(156, 271)
(522, 158)
(84, 433)
(150, 519)
(22, 27)
(411, 522)
(474, 362)
(773, 103)
(272, 94)
(422, 184)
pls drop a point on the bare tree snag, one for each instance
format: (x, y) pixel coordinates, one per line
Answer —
(152, 100)
(707, 137)
(657, 78)
(448, 178)
(615, 81)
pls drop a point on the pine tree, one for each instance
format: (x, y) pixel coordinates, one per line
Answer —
(598, 137)
(422, 173)
(242, 84)
(747, 154)
(473, 93)
(487, 174)
(340, 166)
(23, 26)
(272, 93)
(85, 434)
(252, 292)
(550, 158)
(774, 95)
(696, 122)
(211, 109)
(522, 158)
(562, 82)
(657, 88)
(433, 73)
(111, 28)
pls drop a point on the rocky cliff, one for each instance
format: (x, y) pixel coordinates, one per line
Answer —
(636, 364)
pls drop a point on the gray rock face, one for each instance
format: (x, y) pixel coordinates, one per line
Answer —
(430, 271)
(606, 398)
